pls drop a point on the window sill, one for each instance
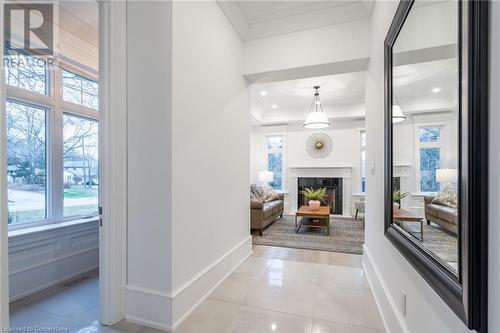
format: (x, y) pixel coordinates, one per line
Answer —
(51, 226)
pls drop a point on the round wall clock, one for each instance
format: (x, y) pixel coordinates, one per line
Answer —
(319, 145)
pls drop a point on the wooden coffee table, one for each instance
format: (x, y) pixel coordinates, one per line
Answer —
(313, 218)
(403, 215)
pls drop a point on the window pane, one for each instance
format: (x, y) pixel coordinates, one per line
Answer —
(429, 162)
(26, 72)
(81, 168)
(275, 142)
(80, 90)
(275, 164)
(26, 163)
(430, 134)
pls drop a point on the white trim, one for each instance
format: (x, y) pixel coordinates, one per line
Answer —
(4, 266)
(198, 276)
(113, 160)
(160, 304)
(385, 303)
(187, 313)
(53, 283)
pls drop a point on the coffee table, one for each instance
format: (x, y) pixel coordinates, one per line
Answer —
(313, 218)
(403, 215)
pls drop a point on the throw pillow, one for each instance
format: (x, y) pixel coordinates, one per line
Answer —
(268, 193)
(257, 192)
(253, 197)
(447, 197)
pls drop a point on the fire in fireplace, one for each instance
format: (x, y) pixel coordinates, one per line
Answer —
(333, 191)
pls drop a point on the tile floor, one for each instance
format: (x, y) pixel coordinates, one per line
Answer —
(290, 290)
(71, 309)
(275, 290)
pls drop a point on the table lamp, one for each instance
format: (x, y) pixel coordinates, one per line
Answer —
(447, 176)
(265, 177)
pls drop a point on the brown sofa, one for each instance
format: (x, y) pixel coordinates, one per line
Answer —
(442, 215)
(262, 214)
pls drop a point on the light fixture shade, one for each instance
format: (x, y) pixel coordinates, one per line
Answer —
(316, 120)
(397, 114)
(266, 176)
(446, 175)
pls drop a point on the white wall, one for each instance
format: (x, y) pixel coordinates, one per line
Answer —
(388, 271)
(188, 157)
(211, 148)
(329, 44)
(40, 259)
(494, 207)
(149, 167)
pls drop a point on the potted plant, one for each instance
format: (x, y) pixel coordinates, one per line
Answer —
(315, 197)
(397, 196)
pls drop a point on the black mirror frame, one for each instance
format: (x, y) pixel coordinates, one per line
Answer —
(465, 293)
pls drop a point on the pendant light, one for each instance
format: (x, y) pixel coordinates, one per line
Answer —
(316, 118)
(397, 113)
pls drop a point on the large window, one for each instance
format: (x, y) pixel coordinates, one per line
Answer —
(26, 162)
(26, 72)
(52, 146)
(80, 90)
(81, 169)
(429, 151)
(275, 160)
(363, 160)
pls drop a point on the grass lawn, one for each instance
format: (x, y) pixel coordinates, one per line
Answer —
(79, 191)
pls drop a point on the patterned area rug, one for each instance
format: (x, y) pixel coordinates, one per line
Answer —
(346, 235)
(439, 241)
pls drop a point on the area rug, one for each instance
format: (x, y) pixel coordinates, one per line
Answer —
(346, 235)
(438, 240)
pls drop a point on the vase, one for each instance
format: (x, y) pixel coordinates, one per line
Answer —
(314, 204)
(395, 207)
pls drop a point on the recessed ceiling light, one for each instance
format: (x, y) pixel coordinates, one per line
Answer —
(274, 106)
(436, 90)
(263, 93)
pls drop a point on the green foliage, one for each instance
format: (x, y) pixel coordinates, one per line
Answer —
(398, 196)
(319, 194)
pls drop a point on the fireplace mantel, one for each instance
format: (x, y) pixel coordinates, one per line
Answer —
(296, 172)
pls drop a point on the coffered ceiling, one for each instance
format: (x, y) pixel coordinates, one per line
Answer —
(258, 19)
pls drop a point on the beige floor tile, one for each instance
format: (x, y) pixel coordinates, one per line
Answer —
(235, 288)
(252, 320)
(342, 277)
(284, 296)
(324, 326)
(291, 271)
(209, 317)
(264, 251)
(342, 259)
(254, 266)
(347, 306)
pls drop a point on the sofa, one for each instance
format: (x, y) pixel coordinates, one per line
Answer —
(443, 215)
(263, 212)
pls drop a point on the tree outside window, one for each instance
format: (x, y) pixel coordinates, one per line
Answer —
(430, 157)
(275, 160)
(26, 162)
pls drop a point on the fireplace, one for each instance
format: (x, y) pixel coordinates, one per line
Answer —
(333, 191)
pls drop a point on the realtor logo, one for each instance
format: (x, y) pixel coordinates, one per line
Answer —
(28, 27)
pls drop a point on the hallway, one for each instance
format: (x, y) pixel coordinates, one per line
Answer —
(290, 290)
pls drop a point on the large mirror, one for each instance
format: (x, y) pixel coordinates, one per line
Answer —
(436, 163)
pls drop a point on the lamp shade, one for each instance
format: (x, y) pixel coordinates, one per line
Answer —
(266, 176)
(316, 119)
(397, 114)
(446, 175)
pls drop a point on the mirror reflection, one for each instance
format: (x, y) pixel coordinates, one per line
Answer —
(426, 129)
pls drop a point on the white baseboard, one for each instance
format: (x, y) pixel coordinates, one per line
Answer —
(53, 283)
(388, 308)
(164, 310)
